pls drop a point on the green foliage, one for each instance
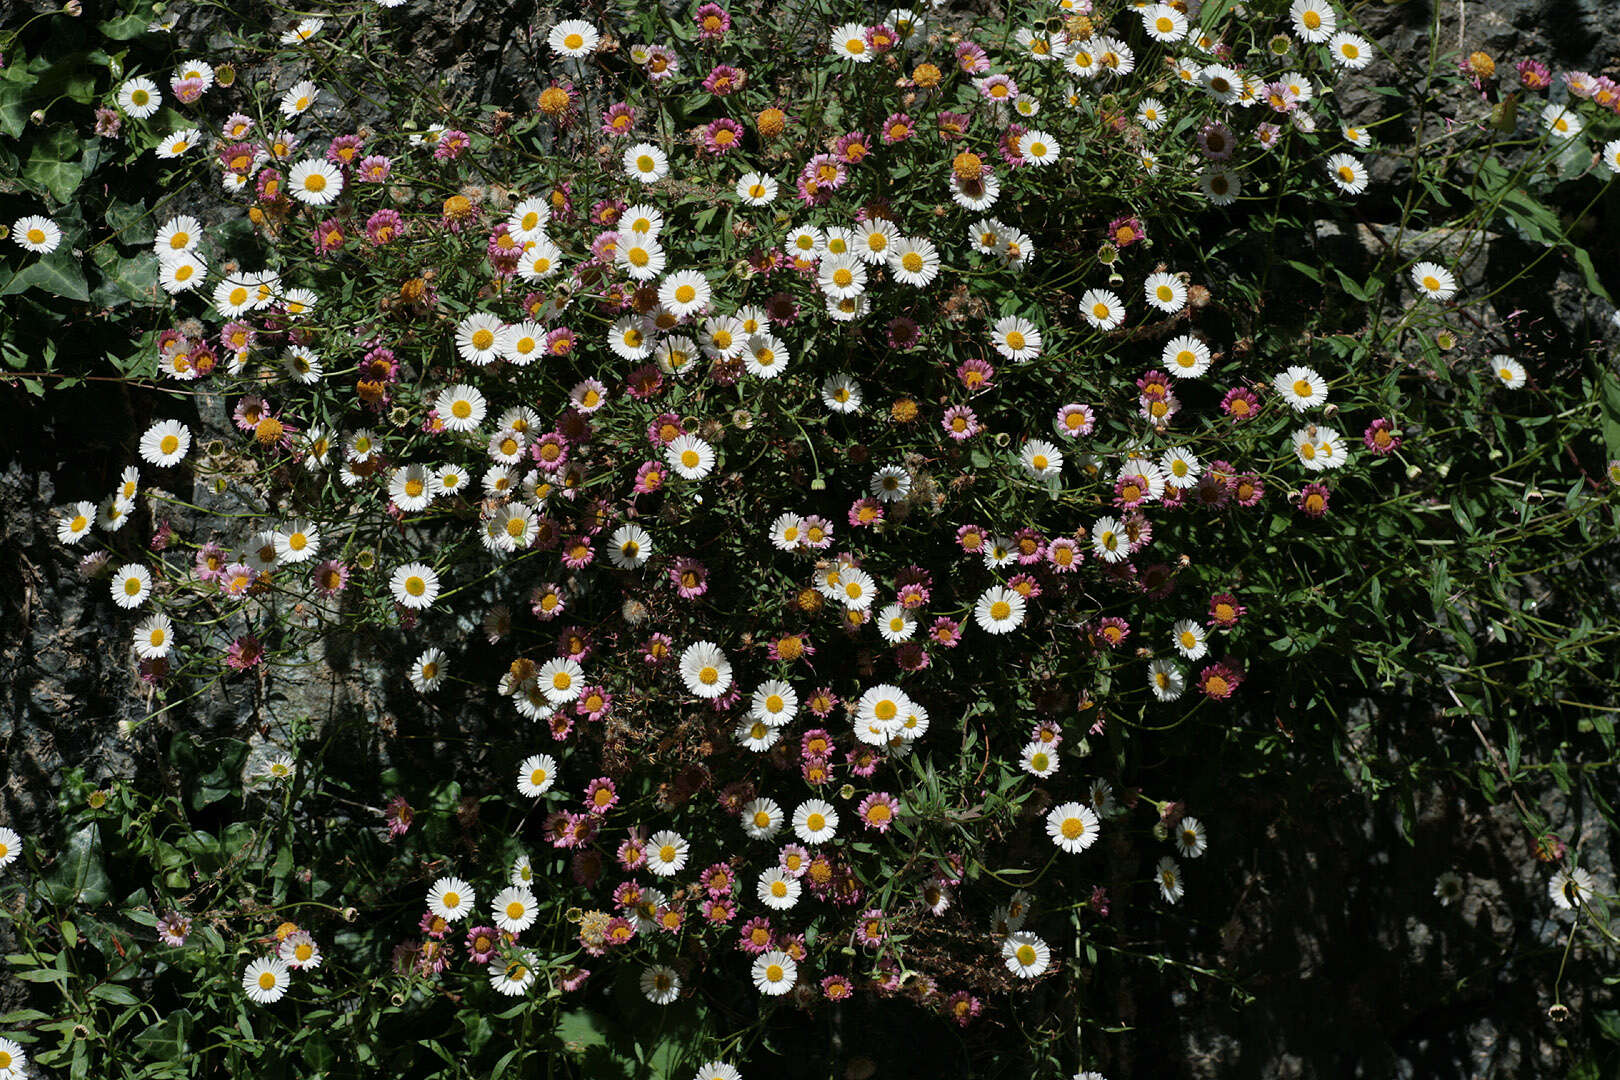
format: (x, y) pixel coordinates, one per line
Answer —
(1433, 611)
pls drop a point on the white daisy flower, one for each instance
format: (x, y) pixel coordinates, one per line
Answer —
(849, 43)
(451, 899)
(1302, 387)
(705, 670)
(630, 547)
(891, 483)
(1350, 51)
(298, 99)
(181, 271)
(37, 234)
(561, 679)
(774, 702)
(1190, 639)
(778, 890)
(1108, 540)
(1041, 459)
(660, 984)
(762, 819)
(266, 980)
(841, 394)
(914, 261)
(315, 182)
(815, 821)
(1348, 174)
(480, 339)
(774, 973)
(75, 521)
(536, 775)
(460, 407)
(139, 97)
(1509, 372)
(1168, 874)
(765, 356)
(427, 672)
(1038, 148)
(131, 585)
(1166, 680)
(414, 586)
(684, 293)
(1165, 292)
(645, 163)
(1571, 888)
(1038, 759)
(1016, 338)
(1186, 357)
(1191, 837)
(1025, 954)
(515, 974)
(297, 541)
(1181, 468)
(1434, 281)
(574, 38)
(154, 637)
(1102, 309)
(515, 909)
(177, 144)
(1314, 20)
(690, 457)
(896, 624)
(667, 852)
(1073, 827)
(166, 443)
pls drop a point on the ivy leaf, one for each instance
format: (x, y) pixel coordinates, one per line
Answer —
(58, 273)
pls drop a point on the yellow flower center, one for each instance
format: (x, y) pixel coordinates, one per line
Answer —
(267, 980)
(1000, 610)
(315, 182)
(462, 409)
(415, 586)
(709, 675)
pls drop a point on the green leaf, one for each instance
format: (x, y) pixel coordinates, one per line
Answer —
(166, 1040)
(126, 28)
(16, 91)
(58, 273)
(131, 223)
(581, 1029)
(1351, 287)
(125, 281)
(54, 166)
(42, 975)
(80, 879)
(118, 995)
